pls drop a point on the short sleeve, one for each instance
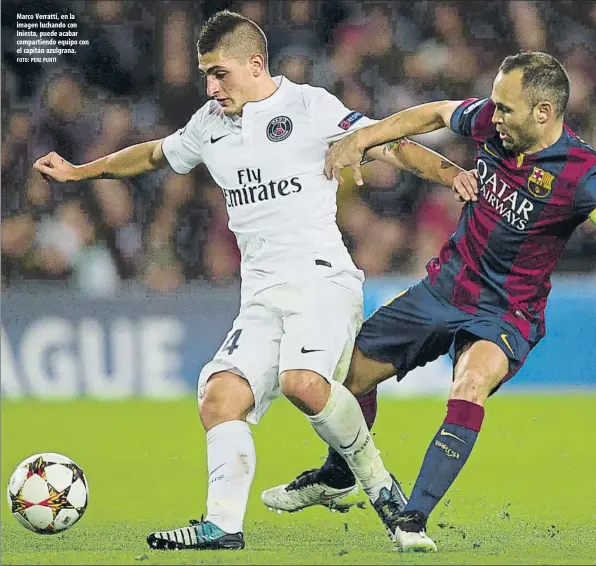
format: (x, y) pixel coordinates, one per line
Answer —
(331, 118)
(584, 202)
(182, 149)
(473, 118)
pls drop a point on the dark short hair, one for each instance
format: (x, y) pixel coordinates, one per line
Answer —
(248, 36)
(544, 78)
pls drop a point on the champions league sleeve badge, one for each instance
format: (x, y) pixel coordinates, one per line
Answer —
(350, 119)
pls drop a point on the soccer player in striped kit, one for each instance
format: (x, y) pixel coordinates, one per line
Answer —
(484, 296)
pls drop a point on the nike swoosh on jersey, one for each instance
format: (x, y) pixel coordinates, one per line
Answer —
(305, 351)
(445, 433)
(506, 342)
(489, 151)
(215, 140)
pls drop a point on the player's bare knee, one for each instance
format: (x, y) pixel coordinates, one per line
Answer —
(305, 389)
(227, 397)
(471, 385)
(480, 367)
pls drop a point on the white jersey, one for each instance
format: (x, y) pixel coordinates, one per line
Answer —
(269, 164)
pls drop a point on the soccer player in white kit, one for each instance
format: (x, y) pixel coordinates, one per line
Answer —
(264, 141)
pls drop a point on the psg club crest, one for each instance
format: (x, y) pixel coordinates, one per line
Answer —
(540, 183)
(279, 129)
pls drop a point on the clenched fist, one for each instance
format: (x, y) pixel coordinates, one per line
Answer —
(54, 167)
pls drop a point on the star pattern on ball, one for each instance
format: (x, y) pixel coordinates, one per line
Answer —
(18, 505)
(57, 501)
(77, 473)
(37, 467)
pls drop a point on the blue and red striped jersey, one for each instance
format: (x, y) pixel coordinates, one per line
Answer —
(502, 254)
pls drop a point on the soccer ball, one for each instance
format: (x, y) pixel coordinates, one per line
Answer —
(47, 493)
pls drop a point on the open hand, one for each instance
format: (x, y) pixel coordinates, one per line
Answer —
(344, 153)
(465, 186)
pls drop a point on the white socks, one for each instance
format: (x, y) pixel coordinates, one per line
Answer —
(341, 425)
(231, 464)
(231, 458)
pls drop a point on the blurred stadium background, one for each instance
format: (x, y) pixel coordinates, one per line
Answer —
(118, 288)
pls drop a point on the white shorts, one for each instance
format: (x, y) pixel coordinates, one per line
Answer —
(309, 326)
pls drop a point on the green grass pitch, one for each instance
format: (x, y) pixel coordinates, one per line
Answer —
(527, 496)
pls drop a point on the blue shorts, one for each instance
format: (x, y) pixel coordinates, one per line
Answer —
(418, 326)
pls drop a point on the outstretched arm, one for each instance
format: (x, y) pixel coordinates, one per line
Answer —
(416, 120)
(127, 162)
(418, 159)
(425, 163)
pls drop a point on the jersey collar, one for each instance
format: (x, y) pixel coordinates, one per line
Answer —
(283, 85)
(555, 148)
(559, 146)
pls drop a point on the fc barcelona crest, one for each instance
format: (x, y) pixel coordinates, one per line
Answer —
(540, 183)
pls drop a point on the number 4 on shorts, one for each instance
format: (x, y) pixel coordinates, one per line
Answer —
(232, 342)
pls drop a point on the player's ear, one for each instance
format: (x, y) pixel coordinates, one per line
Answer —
(257, 64)
(543, 111)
